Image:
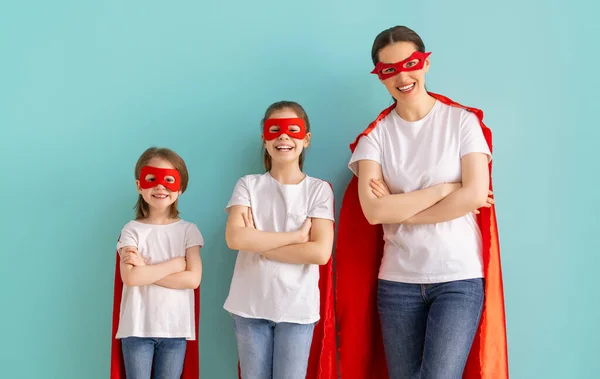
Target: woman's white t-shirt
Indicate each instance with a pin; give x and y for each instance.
(267, 289)
(152, 310)
(414, 156)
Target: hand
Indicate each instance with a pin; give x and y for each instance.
(379, 188)
(447, 188)
(488, 204)
(304, 231)
(131, 255)
(248, 219)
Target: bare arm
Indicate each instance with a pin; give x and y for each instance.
(143, 275)
(240, 237)
(191, 277)
(397, 208)
(472, 195)
(315, 251)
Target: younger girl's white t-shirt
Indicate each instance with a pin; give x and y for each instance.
(267, 289)
(152, 310)
(414, 156)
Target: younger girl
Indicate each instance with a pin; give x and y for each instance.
(160, 268)
(282, 224)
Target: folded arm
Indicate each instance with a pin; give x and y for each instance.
(471, 196)
(134, 275)
(397, 208)
(315, 251)
(189, 278)
(240, 237)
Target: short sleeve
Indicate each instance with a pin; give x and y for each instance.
(240, 196)
(471, 136)
(366, 149)
(193, 237)
(322, 205)
(128, 237)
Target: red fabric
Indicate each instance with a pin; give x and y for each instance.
(398, 67)
(359, 250)
(191, 365)
(322, 359)
(284, 128)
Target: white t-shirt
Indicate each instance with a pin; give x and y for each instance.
(267, 289)
(152, 310)
(414, 156)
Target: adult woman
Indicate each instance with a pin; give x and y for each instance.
(423, 174)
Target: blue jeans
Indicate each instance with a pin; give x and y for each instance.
(164, 355)
(270, 350)
(428, 329)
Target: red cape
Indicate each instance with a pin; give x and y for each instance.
(359, 250)
(322, 359)
(191, 364)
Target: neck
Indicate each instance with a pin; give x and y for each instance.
(289, 173)
(159, 216)
(416, 109)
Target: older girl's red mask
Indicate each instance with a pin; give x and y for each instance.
(293, 127)
(416, 61)
(153, 176)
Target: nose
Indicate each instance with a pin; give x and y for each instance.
(283, 136)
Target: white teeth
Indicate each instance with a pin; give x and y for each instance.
(406, 88)
(284, 148)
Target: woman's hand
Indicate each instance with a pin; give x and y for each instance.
(248, 219)
(488, 204)
(379, 188)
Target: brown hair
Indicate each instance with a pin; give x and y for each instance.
(278, 106)
(142, 209)
(393, 35)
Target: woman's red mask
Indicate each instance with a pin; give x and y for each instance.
(416, 61)
(153, 176)
(293, 127)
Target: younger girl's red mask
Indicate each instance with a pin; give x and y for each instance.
(416, 61)
(153, 176)
(293, 127)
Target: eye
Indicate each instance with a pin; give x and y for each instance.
(389, 70)
(169, 179)
(294, 129)
(149, 178)
(412, 63)
(274, 129)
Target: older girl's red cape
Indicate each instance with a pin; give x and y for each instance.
(359, 250)
(322, 359)
(191, 364)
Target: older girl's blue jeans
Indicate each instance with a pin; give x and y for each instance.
(428, 329)
(270, 350)
(160, 357)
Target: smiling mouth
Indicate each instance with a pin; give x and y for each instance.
(406, 88)
(160, 197)
(283, 148)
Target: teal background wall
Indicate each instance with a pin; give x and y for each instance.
(86, 86)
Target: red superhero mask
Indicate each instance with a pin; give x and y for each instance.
(293, 127)
(416, 61)
(153, 176)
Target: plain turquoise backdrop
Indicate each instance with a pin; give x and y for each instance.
(86, 86)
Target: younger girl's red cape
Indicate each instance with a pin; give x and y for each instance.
(322, 359)
(191, 365)
(359, 250)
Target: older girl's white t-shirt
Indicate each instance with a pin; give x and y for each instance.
(267, 289)
(152, 310)
(414, 156)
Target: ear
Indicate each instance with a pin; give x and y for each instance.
(426, 65)
(137, 184)
(307, 140)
